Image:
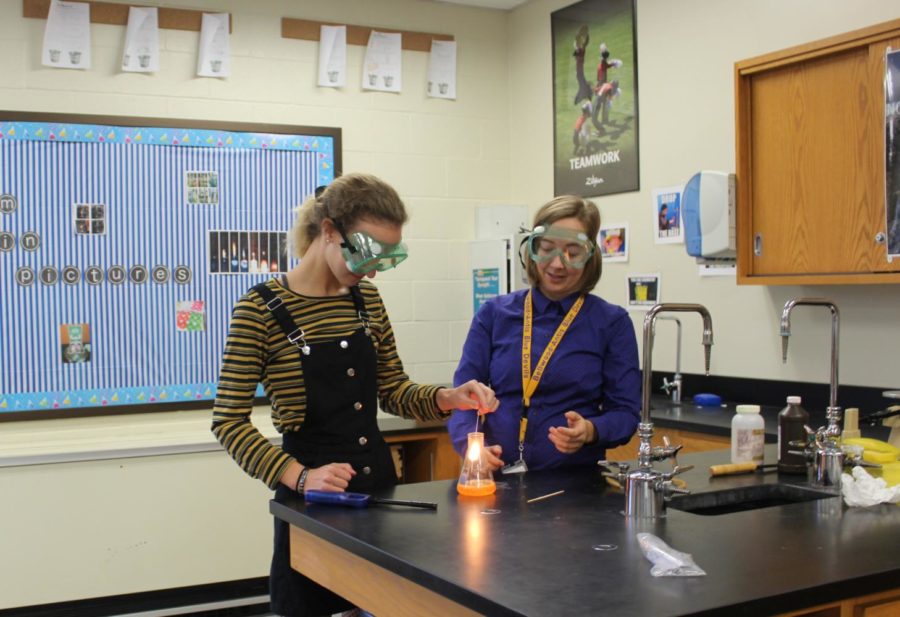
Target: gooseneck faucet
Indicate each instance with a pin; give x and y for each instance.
(646, 489)
(827, 454)
(674, 386)
(835, 336)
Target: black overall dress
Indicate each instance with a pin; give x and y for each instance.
(340, 427)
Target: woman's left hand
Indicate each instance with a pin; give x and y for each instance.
(571, 438)
(470, 395)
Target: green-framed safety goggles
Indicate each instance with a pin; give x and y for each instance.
(363, 253)
(574, 248)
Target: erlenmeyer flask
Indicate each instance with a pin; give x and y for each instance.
(475, 479)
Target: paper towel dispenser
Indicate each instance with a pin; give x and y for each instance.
(709, 216)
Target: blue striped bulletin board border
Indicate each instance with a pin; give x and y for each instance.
(124, 244)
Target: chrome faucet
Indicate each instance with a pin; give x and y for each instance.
(827, 456)
(646, 489)
(674, 387)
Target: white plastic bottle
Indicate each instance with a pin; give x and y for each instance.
(748, 435)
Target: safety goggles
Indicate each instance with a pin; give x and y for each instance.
(574, 248)
(363, 253)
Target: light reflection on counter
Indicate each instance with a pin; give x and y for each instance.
(474, 537)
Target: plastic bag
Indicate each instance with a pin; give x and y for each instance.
(861, 489)
(665, 559)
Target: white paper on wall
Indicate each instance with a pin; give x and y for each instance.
(714, 269)
(333, 56)
(442, 70)
(668, 224)
(67, 36)
(141, 53)
(381, 67)
(213, 56)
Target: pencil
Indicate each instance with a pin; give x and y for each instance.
(547, 496)
(735, 468)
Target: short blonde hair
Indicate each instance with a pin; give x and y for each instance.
(346, 200)
(564, 207)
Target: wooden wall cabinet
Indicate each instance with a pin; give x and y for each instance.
(811, 162)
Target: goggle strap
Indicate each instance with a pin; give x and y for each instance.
(345, 241)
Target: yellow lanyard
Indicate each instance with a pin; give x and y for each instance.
(530, 380)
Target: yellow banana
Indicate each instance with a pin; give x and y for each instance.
(881, 458)
(874, 445)
(891, 473)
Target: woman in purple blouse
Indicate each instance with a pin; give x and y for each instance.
(562, 362)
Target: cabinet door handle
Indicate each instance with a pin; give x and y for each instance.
(879, 237)
(757, 245)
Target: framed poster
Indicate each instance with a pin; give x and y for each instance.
(595, 98)
(126, 242)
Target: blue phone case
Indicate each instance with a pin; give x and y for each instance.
(708, 400)
(353, 500)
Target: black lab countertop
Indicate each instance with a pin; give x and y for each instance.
(576, 554)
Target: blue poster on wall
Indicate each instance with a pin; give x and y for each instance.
(485, 285)
(123, 249)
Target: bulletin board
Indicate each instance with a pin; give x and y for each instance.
(124, 244)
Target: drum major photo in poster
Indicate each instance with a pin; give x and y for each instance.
(595, 98)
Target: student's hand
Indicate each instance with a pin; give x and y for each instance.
(470, 395)
(334, 477)
(492, 457)
(571, 438)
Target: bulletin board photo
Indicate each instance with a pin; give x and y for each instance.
(124, 244)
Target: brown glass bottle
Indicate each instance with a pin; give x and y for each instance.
(791, 421)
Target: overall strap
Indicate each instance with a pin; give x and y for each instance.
(360, 304)
(275, 304)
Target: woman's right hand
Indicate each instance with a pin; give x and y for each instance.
(333, 477)
(492, 457)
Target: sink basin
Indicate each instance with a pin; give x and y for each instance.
(745, 498)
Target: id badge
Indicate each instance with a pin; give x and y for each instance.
(518, 467)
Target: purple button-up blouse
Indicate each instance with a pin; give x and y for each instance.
(594, 371)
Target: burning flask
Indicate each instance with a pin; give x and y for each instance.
(475, 479)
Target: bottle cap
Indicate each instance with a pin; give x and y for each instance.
(747, 409)
(793, 400)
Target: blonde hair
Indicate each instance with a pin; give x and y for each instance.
(563, 207)
(346, 200)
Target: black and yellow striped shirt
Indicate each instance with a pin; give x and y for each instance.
(257, 350)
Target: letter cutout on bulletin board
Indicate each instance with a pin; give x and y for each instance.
(123, 249)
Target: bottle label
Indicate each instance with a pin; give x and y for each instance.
(748, 445)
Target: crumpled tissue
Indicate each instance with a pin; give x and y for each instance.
(859, 488)
(666, 560)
